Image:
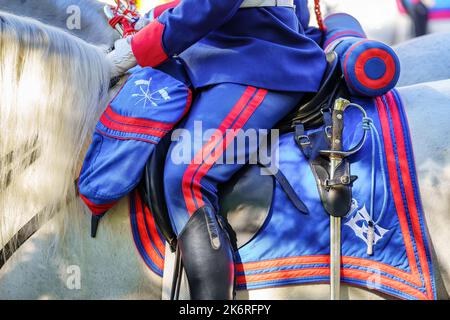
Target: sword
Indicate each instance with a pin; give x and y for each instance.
(335, 221)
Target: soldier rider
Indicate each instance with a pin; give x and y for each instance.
(250, 61)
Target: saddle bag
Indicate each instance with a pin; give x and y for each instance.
(146, 109)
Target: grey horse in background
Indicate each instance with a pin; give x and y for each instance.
(82, 18)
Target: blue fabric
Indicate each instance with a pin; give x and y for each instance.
(342, 25)
(212, 106)
(375, 68)
(146, 108)
(262, 47)
(368, 80)
(301, 236)
(370, 68)
(292, 248)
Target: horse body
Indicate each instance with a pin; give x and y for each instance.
(61, 261)
(430, 52)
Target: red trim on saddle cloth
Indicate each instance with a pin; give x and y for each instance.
(410, 279)
(149, 237)
(97, 209)
(147, 45)
(159, 10)
(392, 277)
(216, 146)
(407, 181)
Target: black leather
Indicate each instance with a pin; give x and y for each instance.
(152, 190)
(335, 194)
(207, 257)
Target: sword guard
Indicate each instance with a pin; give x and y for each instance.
(344, 180)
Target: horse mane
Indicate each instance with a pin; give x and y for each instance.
(53, 89)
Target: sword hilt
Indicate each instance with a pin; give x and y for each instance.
(338, 125)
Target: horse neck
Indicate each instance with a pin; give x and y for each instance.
(53, 89)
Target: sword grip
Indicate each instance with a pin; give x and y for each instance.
(338, 124)
(337, 131)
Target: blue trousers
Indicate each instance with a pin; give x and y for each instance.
(206, 153)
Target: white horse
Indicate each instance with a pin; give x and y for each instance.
(53, 88)
(424, 59)
(382, 19)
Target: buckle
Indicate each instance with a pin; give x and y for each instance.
(303, 139)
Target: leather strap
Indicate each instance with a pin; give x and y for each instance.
(288, 189)
(267, 3)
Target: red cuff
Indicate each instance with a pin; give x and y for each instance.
(147, 45)
(157, 11)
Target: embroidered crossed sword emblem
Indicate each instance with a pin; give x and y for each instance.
(146, 95)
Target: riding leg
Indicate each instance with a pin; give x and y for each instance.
(223, 112)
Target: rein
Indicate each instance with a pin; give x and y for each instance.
(29, 229)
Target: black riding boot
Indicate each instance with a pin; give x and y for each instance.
(207, 257)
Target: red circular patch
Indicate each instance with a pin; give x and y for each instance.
(385, 79)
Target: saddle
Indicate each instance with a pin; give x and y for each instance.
(248, 191)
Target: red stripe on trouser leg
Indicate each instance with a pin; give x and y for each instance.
(209, 146)
(229, 138)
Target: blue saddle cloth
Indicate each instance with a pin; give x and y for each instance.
(292, 248)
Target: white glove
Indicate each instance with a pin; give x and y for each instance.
(122, 58)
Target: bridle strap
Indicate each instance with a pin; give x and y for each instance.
(28, 230)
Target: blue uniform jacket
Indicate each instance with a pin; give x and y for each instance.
(270, 47)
